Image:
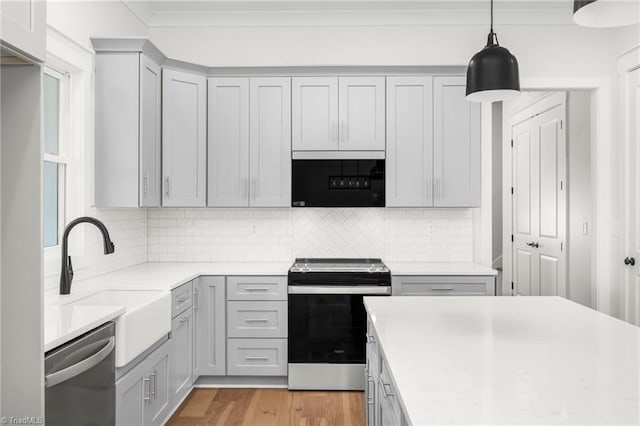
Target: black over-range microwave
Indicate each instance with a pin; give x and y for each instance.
(337, 183)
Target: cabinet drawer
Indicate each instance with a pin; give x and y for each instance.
(181, 299)
(443, 286)
(256, 319)
(257, 288)
(257, 357)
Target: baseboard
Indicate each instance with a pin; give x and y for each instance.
(241, 382)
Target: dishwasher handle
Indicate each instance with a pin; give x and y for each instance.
(80, 367)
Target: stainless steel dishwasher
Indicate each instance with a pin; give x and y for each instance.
(80, 380)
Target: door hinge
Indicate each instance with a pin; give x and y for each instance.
(511, 237)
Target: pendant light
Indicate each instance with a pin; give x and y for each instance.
(492, 74)
(606, 13)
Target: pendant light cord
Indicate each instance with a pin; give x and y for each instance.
(493, 37)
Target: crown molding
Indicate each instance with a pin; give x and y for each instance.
(380, 14)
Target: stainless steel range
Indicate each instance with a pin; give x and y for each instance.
(327, 320)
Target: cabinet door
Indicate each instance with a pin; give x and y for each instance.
(184, 143)
(270, 135)
(314, 111)
(158, 369)
(24, 26)
(117, 129)
(150, 128)
(180, 379)
(456, 145)
(228, 142)
(361, 112)
(132, 396)
(409, 163)
(210, 335)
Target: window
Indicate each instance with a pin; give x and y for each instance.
(55, 123)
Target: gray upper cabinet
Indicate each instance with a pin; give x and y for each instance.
(210, 327)
(249, 142)
(127, 145)
(270, 147)
(409, 163)
(314, 104)
(433, 143)
(228, 140)
(24, 27)
(456, 145)
(361, 111)
(331, 113)
(184, 141)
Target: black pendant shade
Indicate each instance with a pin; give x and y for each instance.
(606, 13)
(492, 74)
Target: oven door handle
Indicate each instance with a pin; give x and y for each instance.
(319, 289)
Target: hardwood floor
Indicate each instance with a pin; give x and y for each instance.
(270, 407)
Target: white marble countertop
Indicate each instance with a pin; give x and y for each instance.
(63, 323)
(508, 360)
(440, 268)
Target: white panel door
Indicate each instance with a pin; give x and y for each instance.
(539, 204)
(630, 297)
(456, 145)
(228, 141)
(270, 147)
(150, 130)
(314, 110)
(184, 139)
(361, 112)
(409, 162)
(24, 26)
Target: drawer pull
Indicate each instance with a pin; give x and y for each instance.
(256, 289)
(256, 320)
(389, 392)
(371, 339)
(182, 299)
(370, 399)
(184, 320)
(256, 358)
(442, 288)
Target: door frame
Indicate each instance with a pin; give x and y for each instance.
(627, 63)
(528, 111)
(606, 224)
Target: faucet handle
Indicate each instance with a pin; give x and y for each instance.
(69, 269)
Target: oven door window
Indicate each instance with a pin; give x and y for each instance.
(327, 328)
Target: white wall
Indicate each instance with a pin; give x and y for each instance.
(579, 186)
(283, 234)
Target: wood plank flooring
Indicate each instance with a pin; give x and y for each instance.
(270, 407)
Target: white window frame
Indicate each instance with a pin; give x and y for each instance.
(64, 149)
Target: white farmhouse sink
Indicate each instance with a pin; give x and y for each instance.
(147, 318)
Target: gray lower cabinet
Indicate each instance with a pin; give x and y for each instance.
(209, 319)
(180, 372)
(257, 326)
(372, 373)
(433, 285)
(142, 395)
(257, 357)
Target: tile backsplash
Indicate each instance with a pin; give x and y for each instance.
(282, 234)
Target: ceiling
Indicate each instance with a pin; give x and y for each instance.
(161, 13)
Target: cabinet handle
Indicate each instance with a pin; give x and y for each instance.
(256, 289)
(184, 320)
(153, 388)
(182, 299)
(166, 186)
(428, 189)
(146, 389)
(370, 398)
(256, 358)
(386, 386)
(334, 132)
(145, 184)
(436, 190)
(371, 338)
(243, 189)
(196, 299)
(253, 190)
(442, 288)
(256, 320)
